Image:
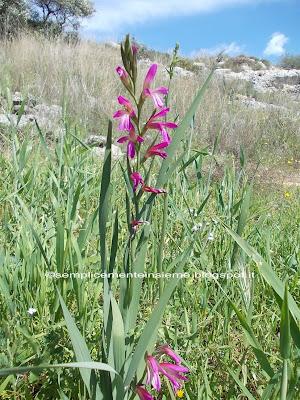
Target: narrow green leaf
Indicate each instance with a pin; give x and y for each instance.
(81, 365)
(240, 384)
(104, 201)
(265, 270)
(81, 351)
(285, 334)
(242, 221)
(150, 330)
(260, 355)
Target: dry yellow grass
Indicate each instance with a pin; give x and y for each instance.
(82, 77)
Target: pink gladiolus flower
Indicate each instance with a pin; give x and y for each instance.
(166, 350)
(161, 125)
(123, 75)
(156, 150)
(175, 374)
(135, 224)
(142, 393)
(153, 372)
(153, 190)
(132, 139)
(155, 94)
(125, 115)
(137, 179)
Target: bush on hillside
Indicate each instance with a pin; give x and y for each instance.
(53, 17)
(290, 62)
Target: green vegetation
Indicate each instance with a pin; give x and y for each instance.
(239, 336)
(290, 62)
(52, 17)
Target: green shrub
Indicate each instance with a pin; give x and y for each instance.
(290, 62)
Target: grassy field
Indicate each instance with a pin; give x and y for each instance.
(238, 334)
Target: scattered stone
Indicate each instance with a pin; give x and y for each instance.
(96, 141)
(98, 144)
(7, 120)
(268, 80)
(251, 102)
(183, 72)
(199, 65)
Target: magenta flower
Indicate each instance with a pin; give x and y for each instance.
(132, 139)
(142, 393)
(153, 190)
(156, 150)
(166, 350)
(123, 75)
(137, 179)
(134, 48)
(125, 115)
(153, 372)
(174, 373)
(136, 223)
(161, 125)
(155, 94)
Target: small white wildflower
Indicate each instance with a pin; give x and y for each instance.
(197, 227)
(210, 236)
(31, 311)
(193, 212)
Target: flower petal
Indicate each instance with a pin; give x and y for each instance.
(150, 76)
(122, 73)
(157, 100)
(119, 113)
(143, 394)
(166, 349)
(131, 149)
(161, 113)
(137, 179)
(122, 139)
(124, 102)
(153, 373)
(150, 189)
(161, 90)
(125, 123)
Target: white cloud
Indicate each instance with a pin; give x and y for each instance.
(113, 16)
(231, 49)
(275, 46)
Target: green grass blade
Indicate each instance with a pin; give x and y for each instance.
(104, 201)
(265, 270)
(285, 334)
(260, 355)
(150, 330)
(81, 351)
(89, 365)
(240, 384)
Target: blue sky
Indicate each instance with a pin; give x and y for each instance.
(265, 28)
